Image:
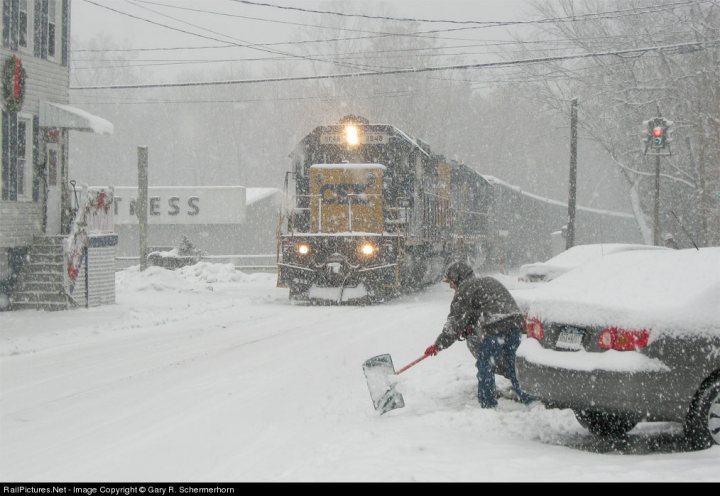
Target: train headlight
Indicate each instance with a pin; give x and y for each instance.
(302, 249)
(351, 135)
(368, 249)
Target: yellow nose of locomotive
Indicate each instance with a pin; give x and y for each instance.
(346, 198)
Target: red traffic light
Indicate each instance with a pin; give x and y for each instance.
(658, 132)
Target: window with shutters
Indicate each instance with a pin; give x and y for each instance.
(17, 157)
(24, 158)
(51, 30)
(53, 161)
(41, 27)
(23, 18)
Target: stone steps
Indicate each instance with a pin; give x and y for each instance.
(41, 282)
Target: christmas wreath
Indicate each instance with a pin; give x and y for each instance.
(13, 84)
(101, 200)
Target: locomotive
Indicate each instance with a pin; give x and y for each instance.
(371, 211)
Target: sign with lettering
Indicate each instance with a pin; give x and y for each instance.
(370, 138)
(183, 205)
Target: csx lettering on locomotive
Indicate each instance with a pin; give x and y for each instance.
(342, 194)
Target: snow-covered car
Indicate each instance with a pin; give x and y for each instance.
(575, 257)
(634, 337)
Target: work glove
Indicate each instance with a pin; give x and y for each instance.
(432, 350)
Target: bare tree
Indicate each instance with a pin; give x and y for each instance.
(617, 93)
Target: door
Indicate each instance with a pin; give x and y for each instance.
(53, 189)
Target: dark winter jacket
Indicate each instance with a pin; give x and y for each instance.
(481, 306)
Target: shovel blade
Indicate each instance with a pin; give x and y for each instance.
(380, 374)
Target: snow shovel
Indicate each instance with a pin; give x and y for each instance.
(379, 372)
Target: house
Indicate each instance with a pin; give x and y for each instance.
(37, 207)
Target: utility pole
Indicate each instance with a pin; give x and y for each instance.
(656, 135)
(141, 207)
(572, 195)
(703, 198)
(656, 212)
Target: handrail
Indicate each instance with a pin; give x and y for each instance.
(94, 215)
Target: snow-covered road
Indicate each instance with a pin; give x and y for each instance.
(207, 374)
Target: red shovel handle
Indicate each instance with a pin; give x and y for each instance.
(415, 362)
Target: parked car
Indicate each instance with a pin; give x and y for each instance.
(573, 258)
(634, 337)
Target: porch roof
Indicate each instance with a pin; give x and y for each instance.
(69, 117)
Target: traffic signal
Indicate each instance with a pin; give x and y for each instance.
(656, 133)
(658, 136)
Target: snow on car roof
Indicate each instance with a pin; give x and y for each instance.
(579, 255)
(675, 291)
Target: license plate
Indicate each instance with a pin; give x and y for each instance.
(570, 339)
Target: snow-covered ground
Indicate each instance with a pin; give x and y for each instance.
(208, 374)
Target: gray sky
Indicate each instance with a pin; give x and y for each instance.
(91, 22)
(265, 134)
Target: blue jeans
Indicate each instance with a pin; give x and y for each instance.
(501, 346)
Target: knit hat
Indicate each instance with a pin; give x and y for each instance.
(457, 272)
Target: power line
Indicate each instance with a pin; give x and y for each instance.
(364, 16)
(418, 34)
(473, 85)
(554, 74)
(373, 54)
(490, 43)
(555, 44)
(277, 21)
(631, 11)
(245, 44)
(254, 47)
(247, 100)
(331, 59)
(153, 49)
(251, 46)
(487, 65)
(389, 94)
(376, 34)
(124, 63)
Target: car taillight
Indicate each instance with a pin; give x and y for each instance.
(534, 328)
(616, 338)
